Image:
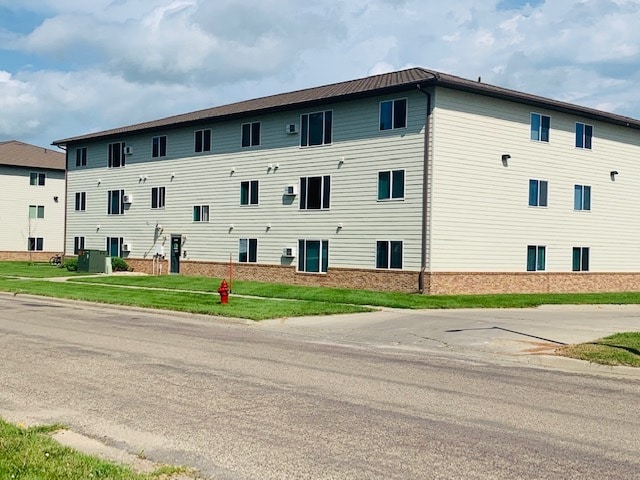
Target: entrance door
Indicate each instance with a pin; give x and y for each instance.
(176, 244)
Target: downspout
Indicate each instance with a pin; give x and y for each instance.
(66, 194)
(425, 192)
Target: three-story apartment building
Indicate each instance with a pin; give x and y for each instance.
(413, 180)
(32, 201)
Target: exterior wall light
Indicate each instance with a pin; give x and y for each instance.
(613, 174)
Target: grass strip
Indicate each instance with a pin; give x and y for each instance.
(618, 349)
(34, 270)
(238, 307)
(369, 297)
(30, 454)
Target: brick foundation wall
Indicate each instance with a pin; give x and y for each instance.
(479, 283)
(25, 257)
(337, 277)
(440, 283)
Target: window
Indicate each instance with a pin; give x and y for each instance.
(249, 193)
(78, 244)
(159, 146)
(81, 157)
(536, 257)
(582, 197)
(114, 246)
(116, 155)
(391, 185)
(315, 192)
(201, 213)
(316, 128)
(538, 193)
(583, 136)
(251, 134)
(115, 202)
(540, 127)
(35, 244)
(81, 201)
(393, 114)
(203, 141)
(313, 256)
(248, 250)
(36, 178)
(580, 259)
(36, 211)
(157, 197)
(389, 254)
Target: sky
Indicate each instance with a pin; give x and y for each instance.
(70, 67)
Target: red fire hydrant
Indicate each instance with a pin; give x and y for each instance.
(224, 292)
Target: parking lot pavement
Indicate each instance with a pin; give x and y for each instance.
(530, 335)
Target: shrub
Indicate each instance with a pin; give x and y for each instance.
(71, 264)
(119, 265)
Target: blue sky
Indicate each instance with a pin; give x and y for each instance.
(68, 67)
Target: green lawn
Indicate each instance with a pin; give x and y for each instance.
(618, 349)
(34, 270)
(30, 454)
(253, 309)
(369, 297)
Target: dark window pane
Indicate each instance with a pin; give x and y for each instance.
(155, 147)
(326, 191)
(198, 146)
(531, 258)
(196, 213)
(576, 259)
(588, 133)
(244, 193)
(314, 192)
(541, 258)
(313, 256)
(400, 114)
(255, 133)
(382, 255)
(586, 198)
(328, 127)
(546, 123)
(384, 185)
(386, 115)
(533, 193)
(325, 255)
(254, 193)
(242, 250)
(398, 184)
(396, 255)
(543, 193)
(206, 142)
(303, 193)
(253, 250)
(316, 126)
(579, 135)
(301, 255)
(535, 126)
(246, 135)
(577, 197)
(304, 130)
(585, 259)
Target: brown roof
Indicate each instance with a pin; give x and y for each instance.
(364, 87)
(20, 154)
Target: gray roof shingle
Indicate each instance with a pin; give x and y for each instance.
(18, 154)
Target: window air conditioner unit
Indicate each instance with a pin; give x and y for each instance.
(126, 247)
(292, 128)
(128, 150)
(291, 190)
(127, 198)
(289, 252)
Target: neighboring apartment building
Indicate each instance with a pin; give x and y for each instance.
(413, 180)
(32, 201)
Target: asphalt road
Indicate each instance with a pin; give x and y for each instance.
(336, 400)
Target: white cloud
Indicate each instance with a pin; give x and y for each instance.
(99, 64)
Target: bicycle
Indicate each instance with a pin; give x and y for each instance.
(56, 260)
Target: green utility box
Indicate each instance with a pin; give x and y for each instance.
(92, 261)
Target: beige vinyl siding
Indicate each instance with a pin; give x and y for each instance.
(17, 195)
(207, 179)
(481, 218)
